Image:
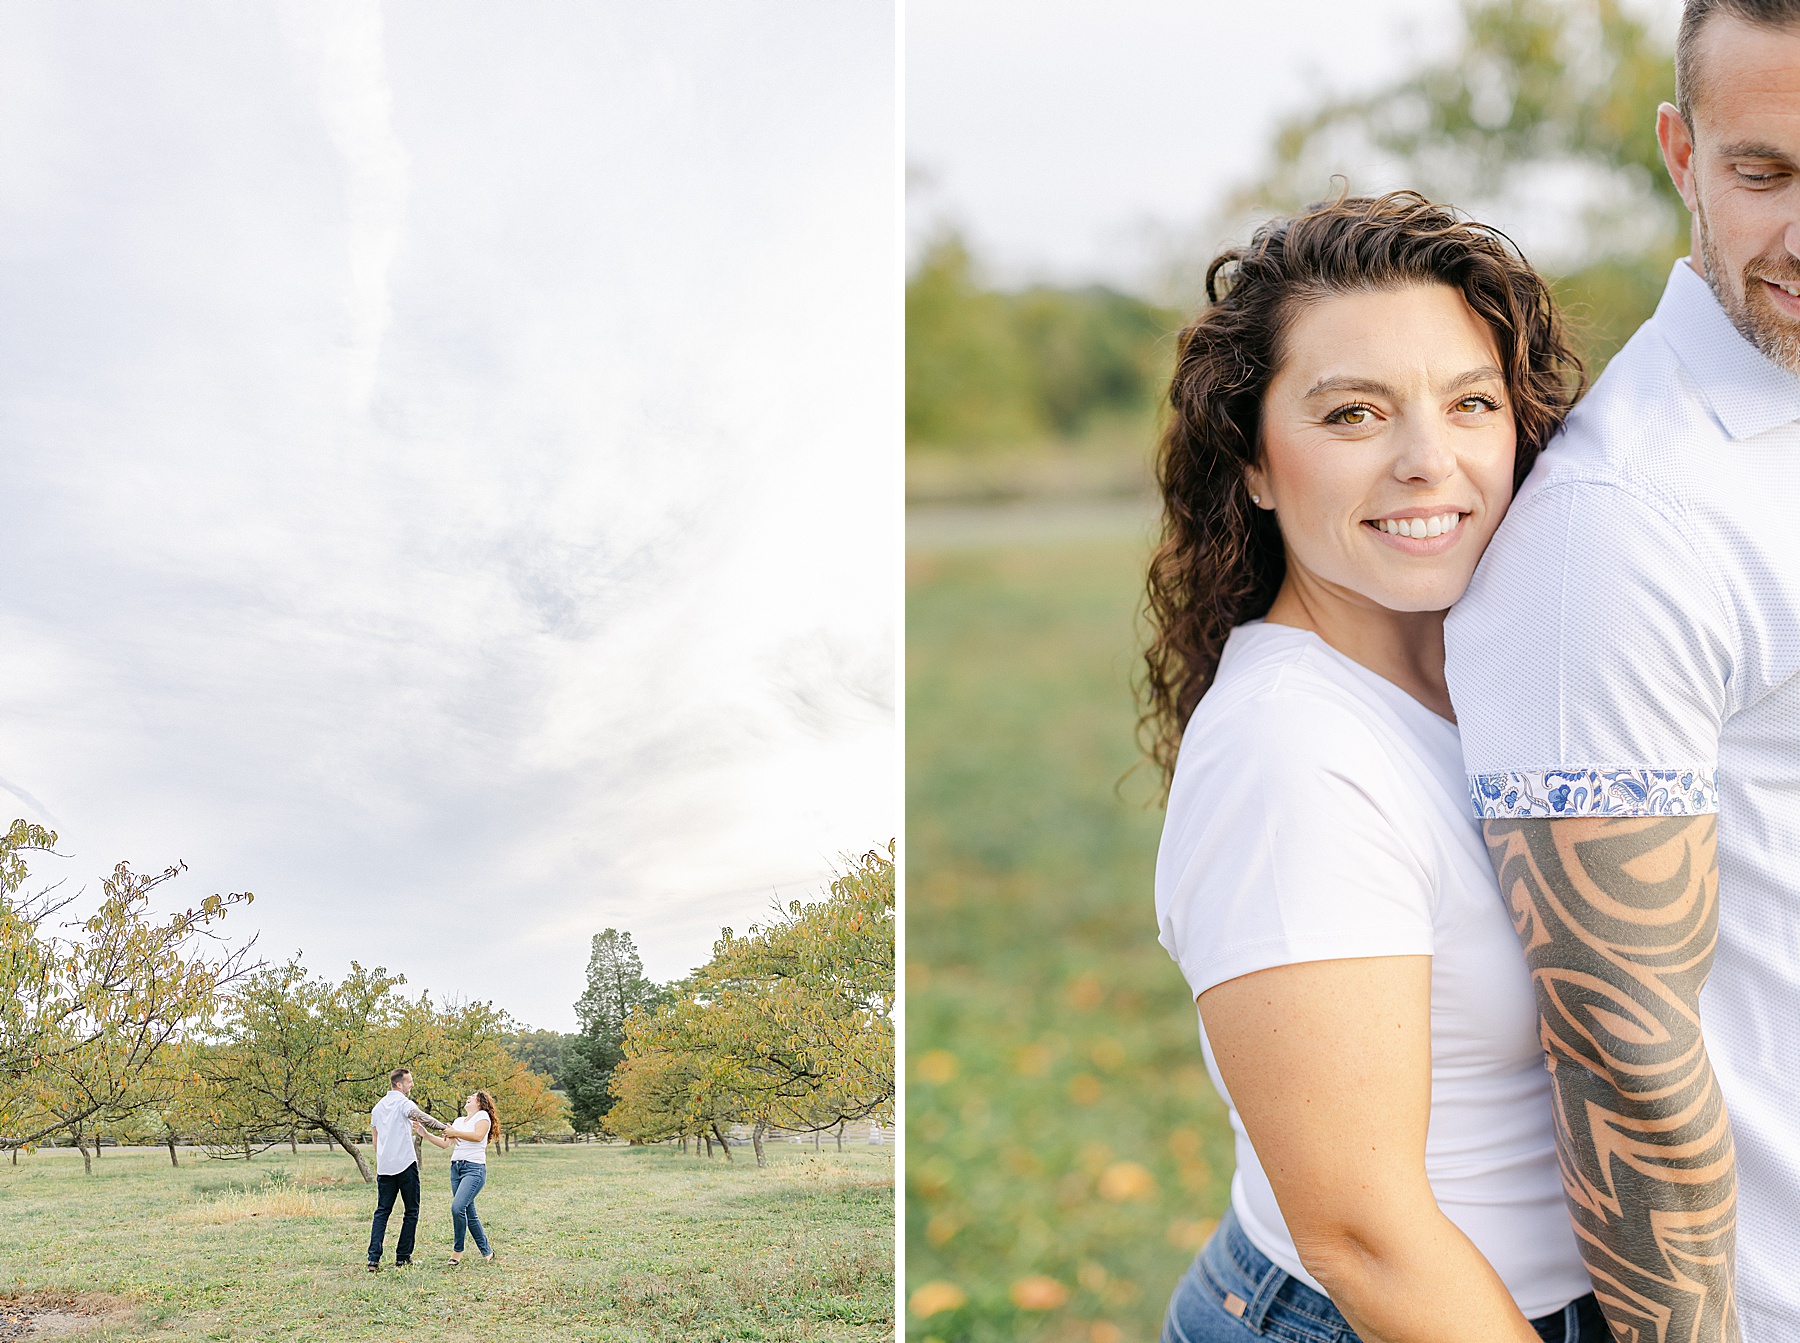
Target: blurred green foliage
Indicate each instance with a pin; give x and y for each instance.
(1062, 1139)
(989, 368)
(1546, 108)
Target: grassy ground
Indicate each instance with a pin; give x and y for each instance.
(593, 1242)
(1065, 1153)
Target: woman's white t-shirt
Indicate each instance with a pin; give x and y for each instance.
(464, 1150)
(1319, 812)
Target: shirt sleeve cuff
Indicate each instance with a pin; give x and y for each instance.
(1629, 791)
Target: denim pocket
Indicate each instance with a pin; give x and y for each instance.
(1233, 1294)
(1209, 1302)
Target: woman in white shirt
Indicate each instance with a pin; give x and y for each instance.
(1351, 414)
(466, 1141)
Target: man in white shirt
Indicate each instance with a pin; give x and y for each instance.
(1626, 673)
(396, 1166)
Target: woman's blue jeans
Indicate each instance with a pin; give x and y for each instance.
(1235, 1294)
(466, 1179)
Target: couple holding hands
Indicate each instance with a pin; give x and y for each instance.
(1451, 662)
(393, 1122)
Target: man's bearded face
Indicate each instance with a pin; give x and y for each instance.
(1744, 296)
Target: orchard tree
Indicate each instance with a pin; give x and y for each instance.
(228, 1121)
(467, 1050)
(788, 1026)
(295, 1052)
(86, 1016)
(528, 1107)
(654, 1094)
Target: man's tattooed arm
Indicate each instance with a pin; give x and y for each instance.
(1619, 919)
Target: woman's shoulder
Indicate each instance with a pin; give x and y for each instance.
(1280, 692)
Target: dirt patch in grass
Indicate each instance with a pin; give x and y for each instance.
(61, 1314)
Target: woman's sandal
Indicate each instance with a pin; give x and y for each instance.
(454, 1260)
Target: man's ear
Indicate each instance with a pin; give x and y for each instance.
(1677, 151)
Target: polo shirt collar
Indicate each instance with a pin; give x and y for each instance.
(1746, 390)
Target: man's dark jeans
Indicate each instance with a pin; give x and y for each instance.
(405, 1184)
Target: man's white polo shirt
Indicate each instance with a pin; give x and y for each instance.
(391, 1123)
(1630, 646)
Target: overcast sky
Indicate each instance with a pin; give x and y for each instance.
(1069, 138)
(451, 459)
(1074, 141)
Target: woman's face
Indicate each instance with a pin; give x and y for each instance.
(471, 1105)
(1387, 441)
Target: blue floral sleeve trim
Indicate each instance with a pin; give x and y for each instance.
(1548, 793)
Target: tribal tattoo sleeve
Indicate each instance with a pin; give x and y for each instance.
(1619, 920)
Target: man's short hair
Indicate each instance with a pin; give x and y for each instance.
(395, 1076)
(1694, 16)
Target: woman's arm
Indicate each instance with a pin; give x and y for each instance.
(477, 1130)
(1329, 1066)
(430, 1137)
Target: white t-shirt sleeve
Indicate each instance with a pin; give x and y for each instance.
(1590, 662)
(1279, 846)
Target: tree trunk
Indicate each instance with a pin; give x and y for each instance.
(169, 1138)
(815, 1140)
(247, 1156)
(840, 1135)
(96, 1144)
(683, 1144)
(419, 1150)
(722, 1143)
(342, 1139)
(293, 1142)
(756, 1137)
(87, 1161)
(707, 1138)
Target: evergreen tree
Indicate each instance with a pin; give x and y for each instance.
(616, 987)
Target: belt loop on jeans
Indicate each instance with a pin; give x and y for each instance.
(1256, 1310)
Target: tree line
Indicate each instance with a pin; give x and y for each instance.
(987, 367)
(162, 1031)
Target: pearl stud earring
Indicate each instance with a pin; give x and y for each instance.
(1256, 498)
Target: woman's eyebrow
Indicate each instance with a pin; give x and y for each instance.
(1486, 373)
(1369, 386)
(1350, 384)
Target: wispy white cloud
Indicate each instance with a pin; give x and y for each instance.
(449, 460)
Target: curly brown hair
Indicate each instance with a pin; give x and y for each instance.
(1220, 561)
(486, 1102)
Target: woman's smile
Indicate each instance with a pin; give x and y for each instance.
(1419, 531)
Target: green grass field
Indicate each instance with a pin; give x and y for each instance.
(593, 1242)
(1065, 1153)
